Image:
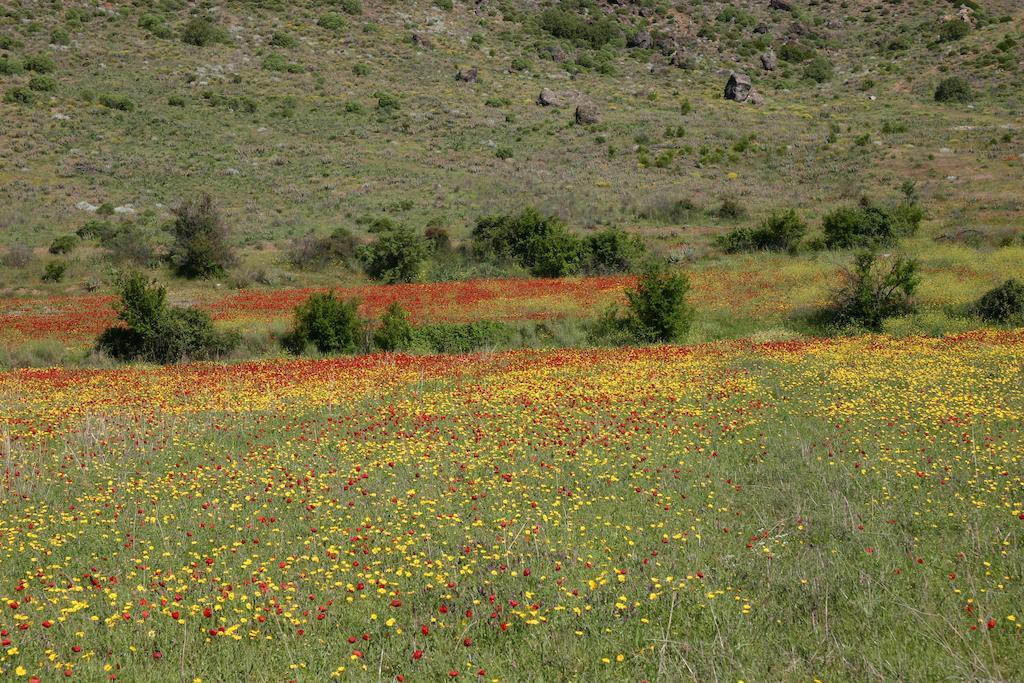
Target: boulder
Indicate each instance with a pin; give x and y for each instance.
(422, 41)
(641, 39)
(466, 75)
(558, 53)
(769, 61)
(782, 5)
(587, 113)
(738, 88)
(552, 98)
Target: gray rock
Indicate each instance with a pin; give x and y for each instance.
(422, 41)
(783, 5)
(642, 39)
(769, 61)
(587, 113)
(738, 88)
(466, 75)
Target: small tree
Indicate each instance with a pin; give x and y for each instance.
(953, 89)
(201, 246)
(396, 256)
(395, 332)
(780, 232)
(658, 310)
(200, 31)
(1003, 304)
(874, 291)
(612, 251)
(327, 323)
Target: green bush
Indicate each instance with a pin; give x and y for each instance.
(658, 310)
(819, 70)
(387, 103)
(42, 84)
(731, 210)
(780, 232)
(64, 244)
(395, 332)
(19, 95)
(316, 253)
(60, 36)
(462, 337)
(201, 247)
(41, 64)
(9, 67)
(332, 21)
(953, 89)
(397, 255)
(200, 31)
(278, 62)
(54, 271)
(360, 69)
(446, 5)
(153, 331)
(326, 323)
(870, 226)
(541, 244)
(612, 251)
(596, 32)
(154, 24)
(795, 52)
(951, 31)
(282, 39)
(119, 102)
(1003, 304)
(353, 7)
(874, 291)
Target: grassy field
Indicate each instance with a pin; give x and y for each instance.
(832, 510)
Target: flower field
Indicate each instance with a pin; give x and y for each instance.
(835, 510)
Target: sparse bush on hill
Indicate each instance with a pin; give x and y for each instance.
(596, 32)
(731, 210)
(154, 331)
(1003, 304)
(119, 102)
(278, 62)
(780, 232)
(54, 271)
(316, 253)
(353, 7)
(41, 64)
(395, 332)
(874, 290)
(201, 245)
(328, 324)
(19, 95)
(16, 256)
(9, 67)
(819, 70)
(332, 21)
(65, 244)
(869, 226)
(612, 251)
(953, 30)
(201, 31)
(155, 25)
(282, 39)
(953, 89)
(42, 84)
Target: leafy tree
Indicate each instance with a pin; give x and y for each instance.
(953, 89)
(201, 246)
(395, 332)
(1003, 304)
(874, 290)
(870, 226)
(200, 31)
(780, 232)
(612, 251)
(658, 310)
(328, 324)
(541, 244)
(397, 255)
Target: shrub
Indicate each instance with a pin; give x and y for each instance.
(462, 337)
(332, 21)
(119, 102)
(795, 52)
(60, 36)
(868, 226)
(285, 40)
(94, 229)
(65, 244)
(446, 5)
(395, 332)
(541, 244)
(327, 323)
(16, 256)
(387, 103)
(397, 255)
(176, 101)
(953, 89)
(874, 291)
(316, 253)
(953, 30)
(438, 238)
(41, 64)
(673, 211)
(819, 70)
(9, 67)
(42, 84)
(658, 310)
(1003, 304)
(520, 64)
(278, 62)
(353, 7)
(612, 251)
(571, 26)
(153, 331)
(730, 210)
(19, 95)
(54, 271)
(780, 232)
(360, 69)
(200, 31)
(503, 153)
(154, 24)
(128, 243)
(201, 246)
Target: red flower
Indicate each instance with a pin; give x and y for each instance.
(991, 624)
(417, 654)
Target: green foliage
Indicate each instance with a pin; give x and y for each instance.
(795, 52)
(503, 152)
(65, 244)
(54, 271)
(541, 244)
(9, 67)
(387, 103)
(353, 7)
(41, 64)
(612, 251)
(201, 31)
(1003, 304)
(155, 25)
(874, 290)
(201, 246)
(19, 94)
(395, 332)
(360, 69)
(869, 226)
(60, 36)
(328, 324)
(332, 21)
(521, 64)
(153, 331)
(731, 210)
(819, 70)
(119, 102)
(397, 255)
(658, 310)
(953, 30)
(462, 337)
(780, 232)
(595, 32)
(954, 89)
(42, 84)
(278, 62)
(316, 253)
(446, 5)
(282, 39)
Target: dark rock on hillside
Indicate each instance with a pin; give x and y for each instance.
(782, 5)
(558, 53)
(551, 98)
(769, 61)
(422, 41)
(466, 75)
(642, 39)
(738, 88)
(587, 113)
